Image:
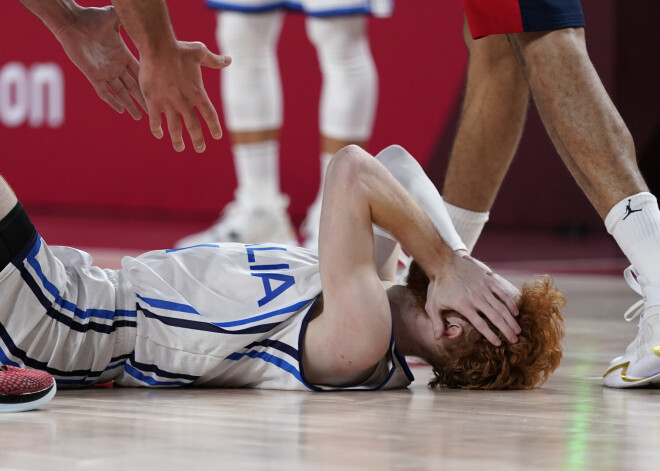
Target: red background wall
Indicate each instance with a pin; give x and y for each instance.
(101, 162)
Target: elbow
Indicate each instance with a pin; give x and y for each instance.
(348, 167)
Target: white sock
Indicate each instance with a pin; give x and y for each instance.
(634, 222)
(468, 224)
(257, 172)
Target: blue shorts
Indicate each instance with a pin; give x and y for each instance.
(486, 17)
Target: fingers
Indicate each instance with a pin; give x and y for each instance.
(117, 86)
(210, 116)
(214, 61)
(194, 130)
(501, 318)
(105, 95)
(134, 69)
(155, 122)
(437, 322)
(174, 126)
(471, 314)
(506, 297)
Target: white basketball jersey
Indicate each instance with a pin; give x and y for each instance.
(228, 315)
(223, 315)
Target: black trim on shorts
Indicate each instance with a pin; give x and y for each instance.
(16, 229)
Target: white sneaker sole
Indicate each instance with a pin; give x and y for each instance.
(20, 407)
(617, 376)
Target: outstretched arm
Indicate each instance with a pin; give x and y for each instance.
(170, 72)
(359, 191)
(91, 39)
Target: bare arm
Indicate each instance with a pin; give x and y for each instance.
(170, 72)
(91, 39)
(353, 332)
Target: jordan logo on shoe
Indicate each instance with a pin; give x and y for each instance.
(629, 211)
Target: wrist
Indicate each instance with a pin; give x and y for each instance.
(67, 17)
(437, 262)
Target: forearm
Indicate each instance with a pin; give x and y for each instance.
(57, 15)
(407, 171)
(392, 208)
(148, 24)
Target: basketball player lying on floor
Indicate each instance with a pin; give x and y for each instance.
(274, 316)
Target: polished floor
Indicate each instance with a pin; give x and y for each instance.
(572, 423)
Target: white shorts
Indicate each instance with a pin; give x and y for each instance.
(310, 7)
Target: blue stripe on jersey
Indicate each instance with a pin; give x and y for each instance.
(63, 319)
(137, 374)
(404, 365)
(205, 326)
(249, 320)
(162, 373)
(277, 345)
(279, 266)
(286, 366)
(169, 305)
(4, 359)
(215, 246)
(68, 305)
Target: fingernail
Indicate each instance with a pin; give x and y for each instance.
(179, 147)
(514, 339)
(217, 135)
(200, 149)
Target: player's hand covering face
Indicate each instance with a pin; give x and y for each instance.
(173, 85)
(469, 288)
(95, 46)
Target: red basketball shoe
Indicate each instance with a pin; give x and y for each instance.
(22, 389)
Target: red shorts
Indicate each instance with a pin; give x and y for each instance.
(487, 17)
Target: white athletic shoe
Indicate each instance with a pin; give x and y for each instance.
(241, 221)
(640, 365)
(309, 229)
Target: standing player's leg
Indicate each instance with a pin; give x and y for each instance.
(252, 101)
(595, 145)
(348, 97)
(583, 123)
(492, 120)
(597, 148)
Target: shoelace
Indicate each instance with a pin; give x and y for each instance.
(634, 311)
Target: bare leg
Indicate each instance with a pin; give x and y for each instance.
(492, 121)
(585, 127)
(250, 137)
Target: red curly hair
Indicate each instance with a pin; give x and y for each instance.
(527, 364)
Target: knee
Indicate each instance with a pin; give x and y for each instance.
(248, 35)
(337, 37)
(348, 162)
